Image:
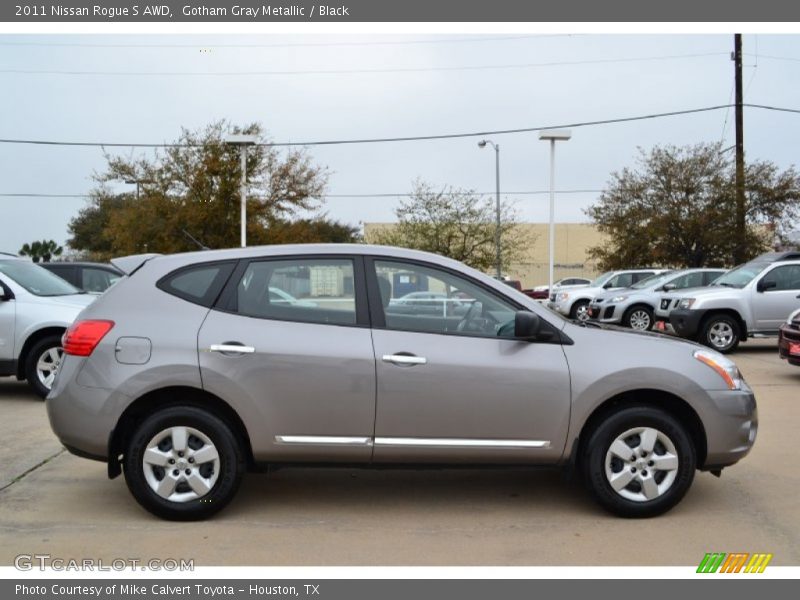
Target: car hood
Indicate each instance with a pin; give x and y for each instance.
(709, 292)
(79, 301)
(621, 291)
(616, 330)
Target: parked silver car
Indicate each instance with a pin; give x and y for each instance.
(694, 279)
(574, 303)
(36, 307)
(635, 307)
(183, 378)
(752, 300)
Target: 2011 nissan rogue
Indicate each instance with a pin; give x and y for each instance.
(190, 370)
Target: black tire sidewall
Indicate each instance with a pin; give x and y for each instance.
(573, 312)
(626, 320)
(51, 341)
(607, 431)
(717, 319)
(231, 463)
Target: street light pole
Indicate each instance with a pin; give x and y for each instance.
(498, 263)
(243, 141)
(553, 135)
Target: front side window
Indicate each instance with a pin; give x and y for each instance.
(426, 299)
(35, 279)
(689, 280)
(306, 290)
(786, 277)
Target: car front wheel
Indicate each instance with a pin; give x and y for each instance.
(639, 462)
(721, 332)
(183, 463)
(639, 318)
(580, 310)
(42, 364)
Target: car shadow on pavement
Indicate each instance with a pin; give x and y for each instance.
(382, 492)
(11, 389)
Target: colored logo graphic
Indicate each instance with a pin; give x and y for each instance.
(736, 562)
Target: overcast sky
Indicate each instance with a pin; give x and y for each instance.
(609, 76)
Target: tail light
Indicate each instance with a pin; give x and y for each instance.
(82, 337)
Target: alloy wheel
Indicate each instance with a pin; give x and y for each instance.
(640, 320)
(720, 335)
(47, 366)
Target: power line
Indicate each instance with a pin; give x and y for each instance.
(395, 70)
(324, 196)
(409, 138)
(291, 45)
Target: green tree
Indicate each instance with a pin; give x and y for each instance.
(41, 251)
(456, 223)
(193, 185)
(676, 208)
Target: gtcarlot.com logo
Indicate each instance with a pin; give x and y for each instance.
(736, 562)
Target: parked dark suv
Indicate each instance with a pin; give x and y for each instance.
(86, 276)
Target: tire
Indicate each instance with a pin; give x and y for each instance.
(41, 364)
(644, 489)
(579, 310)
(216, 478)
(639, 318)
(720, 332)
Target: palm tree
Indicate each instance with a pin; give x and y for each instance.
(44, 250)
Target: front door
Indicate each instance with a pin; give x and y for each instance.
(452, 384)
(772, 306)
(290, 343)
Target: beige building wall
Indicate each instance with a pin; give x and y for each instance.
(572, 241)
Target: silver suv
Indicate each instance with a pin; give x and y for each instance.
(36, 307)
(574, 303)
(635, 307)
(752, 300)
(185, 374)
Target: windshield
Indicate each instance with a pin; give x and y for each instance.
(35, 279)
(651, 281)
(602, 279)
(741, 276)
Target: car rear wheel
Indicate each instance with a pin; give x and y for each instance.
(639, 462)
(639, 318)
(183, 463)
(721, 332)
(580, 310)
(42, 363)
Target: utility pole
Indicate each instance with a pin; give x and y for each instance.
(739, 251)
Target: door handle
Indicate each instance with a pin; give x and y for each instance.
(404, 359)
(233, 348)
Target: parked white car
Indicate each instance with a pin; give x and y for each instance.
(36, 307)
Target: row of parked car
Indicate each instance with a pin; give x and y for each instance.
(714, 307)
(37, 304)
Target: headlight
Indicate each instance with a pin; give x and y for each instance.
(618, 298)
(686, 303)
(561, 296)
(724, 367)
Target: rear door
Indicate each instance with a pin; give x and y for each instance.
(289, 341)
(452, 383)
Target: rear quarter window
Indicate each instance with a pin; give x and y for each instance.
(199, 284)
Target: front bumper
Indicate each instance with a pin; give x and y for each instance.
(789, 344)
(605, 313)
(731, 431)
(686, 322)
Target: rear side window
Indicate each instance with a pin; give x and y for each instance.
(200, 284)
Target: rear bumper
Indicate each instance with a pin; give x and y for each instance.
(789, 344)
(732, 431)
(686, 322)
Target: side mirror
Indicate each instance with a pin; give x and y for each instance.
(5, 293)
(526, 325)
(763, 285)
(668, 287)
(607, 285)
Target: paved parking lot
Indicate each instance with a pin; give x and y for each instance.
(54, 503)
